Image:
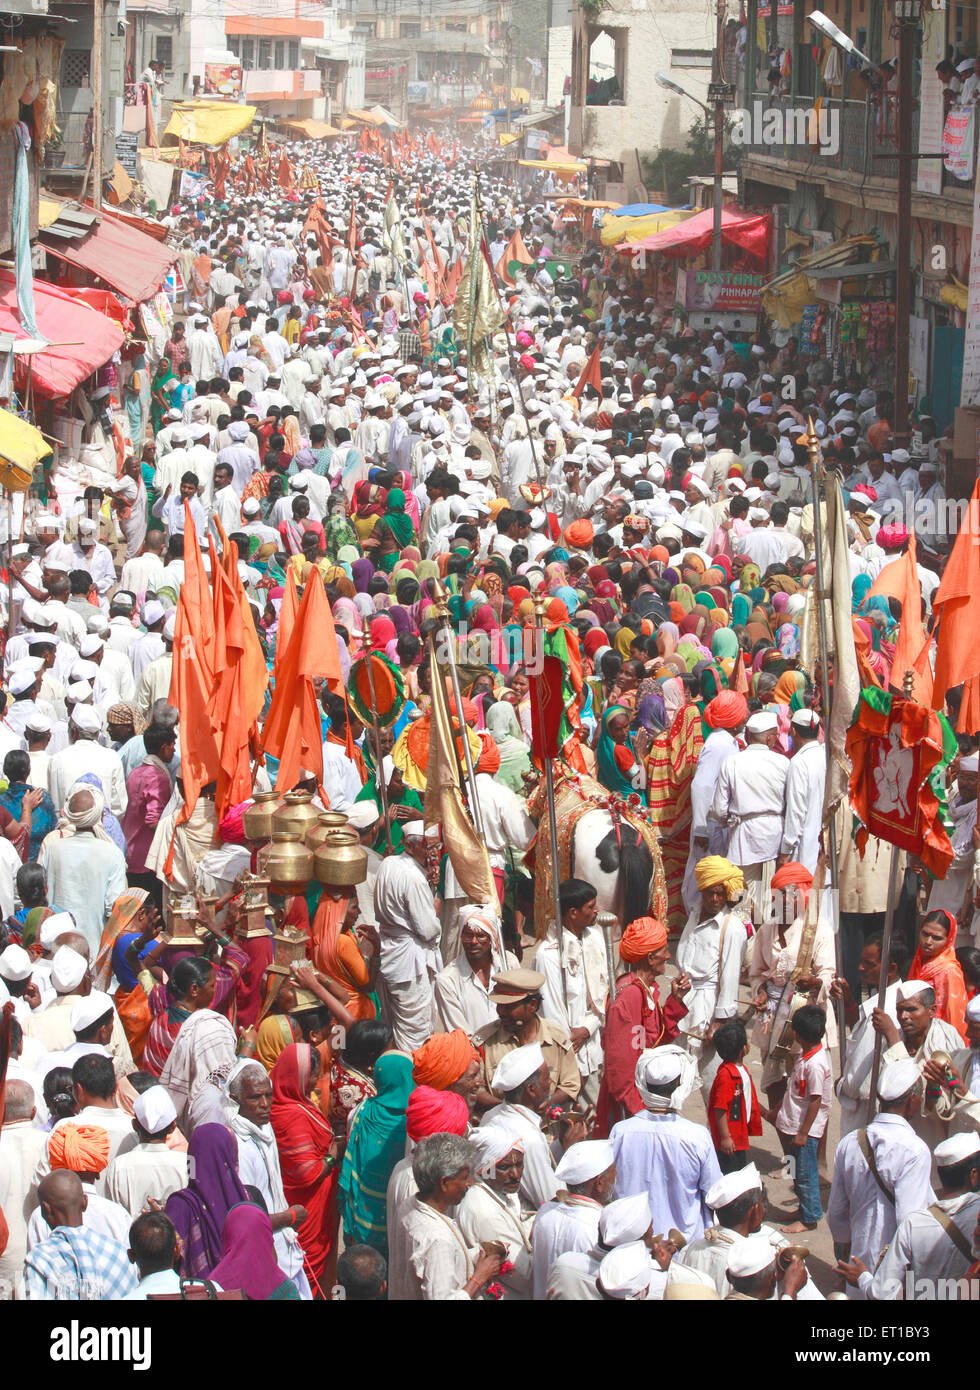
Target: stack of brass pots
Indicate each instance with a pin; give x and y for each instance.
(286, 863)
(289, 945)
(258, 818)
(296, 815)
(340, 861)
(326, 822)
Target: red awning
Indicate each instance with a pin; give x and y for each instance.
(747, 230)
(129, 261)
(91, 337)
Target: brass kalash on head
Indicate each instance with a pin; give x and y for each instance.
(297, 844)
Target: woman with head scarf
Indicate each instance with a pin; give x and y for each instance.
(515, 760)
(162, 390)
(131, 913)
(618, 757)
(307, 1153)
(248, 1257)
(395, 531)
(375, 1144)
(199, 1210)
(935, 962)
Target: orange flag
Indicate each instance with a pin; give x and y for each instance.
(515, 251)
(900, 580)
(292, 728)
(240, 680)
(957, 606)
(191, 679)
(287, 616)
(739, 681)
(591, 376)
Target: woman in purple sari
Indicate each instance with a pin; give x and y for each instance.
(198, 1210)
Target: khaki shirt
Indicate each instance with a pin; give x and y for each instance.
(494, 1042)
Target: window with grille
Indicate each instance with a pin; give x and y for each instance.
(279, 55)
(265, 55)
(292, 54)
(163, 50)
(409, 30)
(248, 53)
(75, 66)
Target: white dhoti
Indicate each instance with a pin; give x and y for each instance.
(701, 1001)
(407, 1007)
(758, 886)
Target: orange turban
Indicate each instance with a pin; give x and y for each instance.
(489, 760)
(727, 710)
(79, 1148)
(443, 1059)
(580, 534)
(792, 875)
(435, 1112)
(640, 938)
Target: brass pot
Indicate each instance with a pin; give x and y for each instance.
(341, 860)
(258, 817)
(289, 945)
(287, 863)
(326, 822)
(295, 815)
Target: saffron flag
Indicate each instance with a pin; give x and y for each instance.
(292, 730)
(591, 376)
(547, 707)
(515, 251)
(894, 744)
(444, 802)
(900, 580)
(957, 606)
(240, 680)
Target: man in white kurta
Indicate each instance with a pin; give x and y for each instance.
(86, 872)
(750, 799)
(151, 1168)
(85, 754)
(21, 1146)
(523, 1079)
(923, 1249)
(661, 1153)
(710, 953)
(919, 1035)
(861, 1215)
(577, 970)
(805, 781)
(410, 931)
(854, 1086)
(585, 1174)
(707, 836)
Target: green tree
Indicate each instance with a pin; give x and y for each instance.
(669, 170)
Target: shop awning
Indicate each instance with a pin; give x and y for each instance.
(783, 298)
(365, 117)
(209, 122)
(130, 262)
(80, 339)
(747, 230)
(626, 228)
(313, 130)
(385, 117)
(24, 447)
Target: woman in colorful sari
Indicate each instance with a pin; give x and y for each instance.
(618, 757)
(248, 1257)
(375, 1144)
(515, 760)
(335, 950)
(352, 1070)
(131, 913)
(394, 531)
(162, 391)
(337, 528)
(200, 1209)
(307, 1155)
(276, 1032)
(935, 962)
(670, 767)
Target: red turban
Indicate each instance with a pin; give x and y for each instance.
(79, 1148)
(580, 534)
(443, 1059)
(489, 759)
(436, 1112)
(727, 710)
(640, 938)
(792, 875)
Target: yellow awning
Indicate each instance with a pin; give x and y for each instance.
(616, 230)
(314, 130)
(209, 122)
(368, 117)
(571, 166)
(783, 298)
(22, 447)
(505, 139)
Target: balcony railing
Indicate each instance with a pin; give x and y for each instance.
(859, 137)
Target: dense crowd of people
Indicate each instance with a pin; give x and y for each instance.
(514, 1098)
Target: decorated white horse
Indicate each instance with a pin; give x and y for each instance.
(605, 839)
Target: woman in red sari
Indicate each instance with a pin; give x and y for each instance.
(935, 962)
(308, 1157)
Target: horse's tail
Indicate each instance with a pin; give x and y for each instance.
(627, 851)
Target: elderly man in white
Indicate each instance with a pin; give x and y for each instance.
(750, 799)
(409, 929)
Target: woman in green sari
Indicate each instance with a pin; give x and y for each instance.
(515, 759)
(395, 530)
(404, 803)
(375, 1144)
(619, 760)
(162, 393)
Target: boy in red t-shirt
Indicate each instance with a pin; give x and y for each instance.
(734, 1112)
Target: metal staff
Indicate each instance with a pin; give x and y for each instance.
(908, 681)
(511, 350)
(382, 786)
(549, 786)
(812, 443)
(441, 601)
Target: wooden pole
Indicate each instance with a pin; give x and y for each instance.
(98, 114)
(812, 443)
(441, 599)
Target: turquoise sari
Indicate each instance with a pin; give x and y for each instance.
(375, 1144)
